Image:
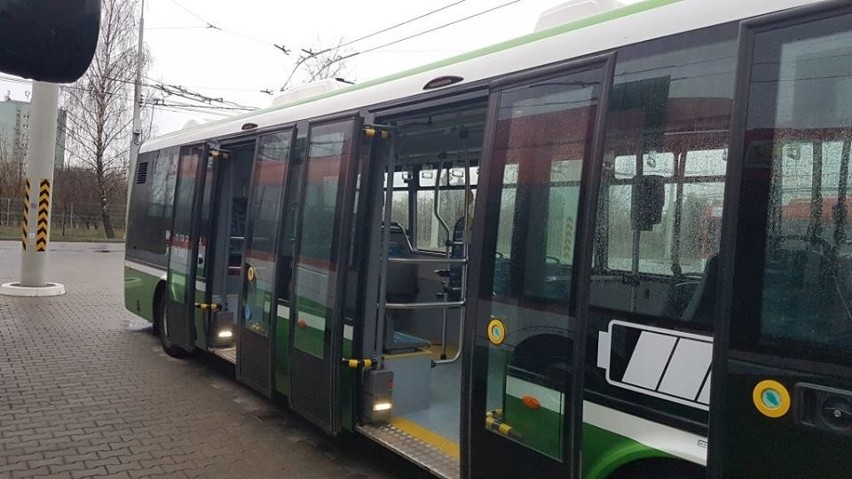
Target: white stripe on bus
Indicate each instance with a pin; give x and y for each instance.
(549, 399)
(312, 321)
(159, 273)
(682, 444)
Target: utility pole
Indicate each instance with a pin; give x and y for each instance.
(136, 140)
(38, 184)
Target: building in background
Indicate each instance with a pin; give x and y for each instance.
(14, 132)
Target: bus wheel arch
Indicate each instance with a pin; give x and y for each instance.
(160, 325)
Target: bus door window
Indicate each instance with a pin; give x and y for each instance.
(805, 142)
(236, 197)
(542, 143)
(665, 152)
(267, 200)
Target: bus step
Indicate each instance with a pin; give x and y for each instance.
(424, 455)
(228, 354)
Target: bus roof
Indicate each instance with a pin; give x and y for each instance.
(624, 26)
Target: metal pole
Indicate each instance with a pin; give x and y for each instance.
(37, 196)
(136, 138)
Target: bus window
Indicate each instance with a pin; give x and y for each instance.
(668, 121)
(162, 191)
(807, 292)
(399, 214)
(429, 234)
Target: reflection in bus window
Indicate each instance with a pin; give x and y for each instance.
(327, 150)
(542, 142)
(800, 123)
(266, 202)
(161, 195)
(667, 124)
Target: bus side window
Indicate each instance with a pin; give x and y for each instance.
(667, 126)
(802, 135)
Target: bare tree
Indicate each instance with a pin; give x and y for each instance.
(320, 62)
(99, 104)
(13, 153)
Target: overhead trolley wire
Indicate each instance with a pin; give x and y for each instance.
(434, 29)
(439, 27)
(213, 26)
(406, 22)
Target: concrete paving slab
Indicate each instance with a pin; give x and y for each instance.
(85, 391)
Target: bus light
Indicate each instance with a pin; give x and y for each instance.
(377, 404)
(226, 334)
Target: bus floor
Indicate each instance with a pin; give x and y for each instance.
(442, 415)
(428, 437)
(228, 354)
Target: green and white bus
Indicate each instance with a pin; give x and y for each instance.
(534, 259)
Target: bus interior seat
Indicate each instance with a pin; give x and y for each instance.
(454, 274)
(700, 307)
(680, 294)
(402, 287)
(544, 359)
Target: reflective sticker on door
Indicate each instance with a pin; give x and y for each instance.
(771, 398)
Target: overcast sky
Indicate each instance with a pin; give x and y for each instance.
(236, 60)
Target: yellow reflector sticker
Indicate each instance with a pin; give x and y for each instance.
(771, 398)
(496, 331)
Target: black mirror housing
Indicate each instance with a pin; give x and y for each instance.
(48, 40)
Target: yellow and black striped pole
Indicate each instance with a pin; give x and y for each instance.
(43, 215)
(25, 230)
(35, 227)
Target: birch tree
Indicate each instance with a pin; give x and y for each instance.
(100, 104)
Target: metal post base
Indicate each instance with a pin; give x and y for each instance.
(15, 289)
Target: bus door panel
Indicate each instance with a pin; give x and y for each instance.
(782, 386)
(258, 305)
(320, 270)
(183, 292)
(530, 284)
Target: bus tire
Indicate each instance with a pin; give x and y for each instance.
(161, 327)
(659, 469)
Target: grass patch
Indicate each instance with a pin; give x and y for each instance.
(76, 234)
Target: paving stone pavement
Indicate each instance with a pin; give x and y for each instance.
(85, 391)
